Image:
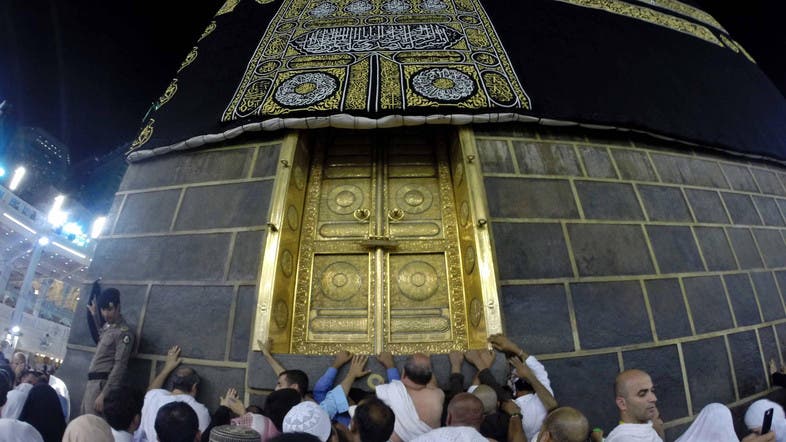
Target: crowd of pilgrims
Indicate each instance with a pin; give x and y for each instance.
(410, 406)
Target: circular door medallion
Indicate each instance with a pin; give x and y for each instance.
(418, 280)
(414, 198)
(345, 199)
(340, 281)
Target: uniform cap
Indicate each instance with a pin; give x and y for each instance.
(109, 298)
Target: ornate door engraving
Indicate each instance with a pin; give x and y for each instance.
(377, 241)
(378, 247)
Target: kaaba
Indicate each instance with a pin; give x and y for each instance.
(601, 180)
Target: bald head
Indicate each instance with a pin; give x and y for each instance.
(488, 396)
(624, 381)
(565, 424)
(185, 380)
(635, 396)
(465, 410)
(417, 368)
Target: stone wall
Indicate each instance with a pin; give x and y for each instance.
(611, 253)
(185, 238)
(616, 254)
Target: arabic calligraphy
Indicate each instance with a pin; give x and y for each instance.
(380, 37)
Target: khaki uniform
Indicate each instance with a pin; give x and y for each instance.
(115, 343)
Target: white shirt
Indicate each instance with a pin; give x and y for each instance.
(532, 410)
(633, 433)
(452, 434)
(155, 399)
(15, 400)
(122, 436)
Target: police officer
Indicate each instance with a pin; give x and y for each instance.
(115, 343)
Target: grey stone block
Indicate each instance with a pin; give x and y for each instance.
(261, 376)
(739, 177)
(780, 277)
(668, 308)
(634, 165)
(772, 247)
(267, 161)
(546, 158)
(148, 212)
(608, 200)
(200, 334)
(685, 170)
(780, 329)
(242, 329)
(111, 216)
(610, 314)
(745, 248)
(168, 258)
(709, 374)
(597, 162)
(715, 248)
(664, 203)
(186, 168)
(708, 304)
(768, 208)
(609, 249)
(74, 373)
(562, 133)
(495, 156)
(741, 209)
(663, 366)
(522, 130)
(132, 299)
(531, 251)
(768, 181)
(246, 256)
(587, 383)
(746, 357)
(675, 249)
(214, 382)
(138, 373)
(743, 300)
(536, 316)
(781, 204)
(769, 298)
(707, 206)
(225, 205)
(769, 346)
(530, 198)
(673, 433)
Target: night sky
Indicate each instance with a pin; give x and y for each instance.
(87, 71)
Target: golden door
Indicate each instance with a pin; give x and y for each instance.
(385, 260)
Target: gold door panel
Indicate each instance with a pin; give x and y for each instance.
(380, 249)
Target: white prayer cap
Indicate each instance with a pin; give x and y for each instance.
(308, 417)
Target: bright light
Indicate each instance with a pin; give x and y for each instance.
(98, 227)
(19, 173)
(2, 171)
(43, 240)
(72, 251)
(56, 216)
(73, 229)
(20, 223)
(15, 329)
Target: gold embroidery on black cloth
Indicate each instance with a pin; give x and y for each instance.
(228, 7)
(686, 10)
(168, 93)
(189, 59)
(377, 55)
(208, 30)
(650, 16)
(144, 135)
